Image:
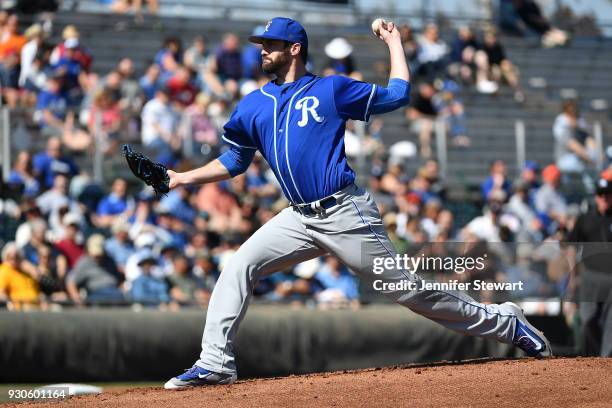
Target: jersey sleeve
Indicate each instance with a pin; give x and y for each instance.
(234, 131)
(352, 98)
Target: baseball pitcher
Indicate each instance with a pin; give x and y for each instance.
(297, 122)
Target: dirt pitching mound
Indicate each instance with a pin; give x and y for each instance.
(557, 382)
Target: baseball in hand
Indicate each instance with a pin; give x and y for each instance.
(377, 25)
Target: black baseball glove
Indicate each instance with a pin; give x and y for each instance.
(153, 173)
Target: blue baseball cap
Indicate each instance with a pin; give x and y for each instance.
(531, 165)
(284, 29)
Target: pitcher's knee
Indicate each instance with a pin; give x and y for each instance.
(242, 266)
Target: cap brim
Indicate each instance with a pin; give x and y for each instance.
(259, 39)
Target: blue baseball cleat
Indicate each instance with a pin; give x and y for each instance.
(528, 338)
(196, 376)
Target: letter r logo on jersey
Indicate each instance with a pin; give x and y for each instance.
(308, 104)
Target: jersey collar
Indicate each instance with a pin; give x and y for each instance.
(273, 88)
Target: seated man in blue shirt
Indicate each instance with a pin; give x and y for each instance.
(146, 289)
(52, 108)
(52, 162)
(114, 205)
(340, 287)
(119, 246)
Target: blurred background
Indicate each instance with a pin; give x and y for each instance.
(506, 140)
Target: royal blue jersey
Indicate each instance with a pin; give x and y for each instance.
(299, 129)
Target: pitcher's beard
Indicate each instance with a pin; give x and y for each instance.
(273, 67)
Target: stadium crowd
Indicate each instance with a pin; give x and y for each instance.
(77, 243)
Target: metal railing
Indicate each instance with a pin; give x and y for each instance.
(6, 142)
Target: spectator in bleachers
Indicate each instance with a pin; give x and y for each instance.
(32, 214)
(420, 185)
(115, 206)
(422, 115)
(30, 250)
(147, 223)
(52, 108)
(409, 43)
(52, 200)
(383, 199)
(147, 289)
(251, 57)
(501, 67)
(340, 61)
(198, 242)
(432, 53)
(19, 287)
(519, 205)
(196, 56)
(71, 36)
(395, 179)
(429, 219)
(529, 175)
(181, 90)
(69, 245)
(200, 128)
(173, 228)
(339, 285)
(258, 183)
(224, 70)
(51, 273)
(549, 202)
(168, 250)
(112, 83)
(131, 94)
(492, 226)
(168, 58)
(450, 108)
(287, 286)
(52, 162)
(469, 62)
(11, 43)
(150, 82)
(96, 273)
(399, 243)
(205, 269)
(23, 174)
(36, 78)
(135, 6)
(575, 149)
(497, 180)
(530, 14)
(159, 124)
(178, 203)
(4, 15)
(119, 246)
(145, 242)
(431, 171)
(105, 120)
(221, 204)
(185, 287)
(445, 226)
(68, 69)
(34, 38)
